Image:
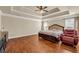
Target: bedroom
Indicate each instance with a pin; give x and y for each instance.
(24, 23)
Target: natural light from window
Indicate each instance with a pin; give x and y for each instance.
(69, 23)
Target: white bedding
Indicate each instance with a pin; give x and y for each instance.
(57, 33)
(54, 32)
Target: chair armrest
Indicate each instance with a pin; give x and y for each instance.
(64, 35)
(75, 36)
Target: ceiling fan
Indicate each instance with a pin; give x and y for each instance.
(41, 9)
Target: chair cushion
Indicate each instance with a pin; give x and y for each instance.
(66, 38)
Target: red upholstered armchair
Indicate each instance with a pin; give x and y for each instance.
(69, 37)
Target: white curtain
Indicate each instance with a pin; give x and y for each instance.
(44, 25)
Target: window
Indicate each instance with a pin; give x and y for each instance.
(69, 23)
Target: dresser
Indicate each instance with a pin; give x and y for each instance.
(3, 40)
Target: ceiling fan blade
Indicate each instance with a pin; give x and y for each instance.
(45, 10)
(45, 7)
(40, 7)
(37, 6)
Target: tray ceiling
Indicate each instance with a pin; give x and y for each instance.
(53, 11)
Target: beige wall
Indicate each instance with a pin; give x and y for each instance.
(62, 22)
(0, 20)
(17, 25)
(77, 23)
(59, 22)
(20, 27)
(5, 8)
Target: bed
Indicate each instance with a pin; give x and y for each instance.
(53, 32)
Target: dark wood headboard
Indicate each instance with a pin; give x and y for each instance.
(56, 26)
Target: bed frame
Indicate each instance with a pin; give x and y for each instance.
(50, 37)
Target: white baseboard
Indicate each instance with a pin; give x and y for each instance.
(21, 36)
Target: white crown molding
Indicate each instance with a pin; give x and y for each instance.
(26, 18)
(35, 12)
(30, 10)
(52, 11)
(35, 17)
(56, 14)
(62, 17)
(21, 12)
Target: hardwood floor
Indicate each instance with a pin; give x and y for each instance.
(32, 44)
